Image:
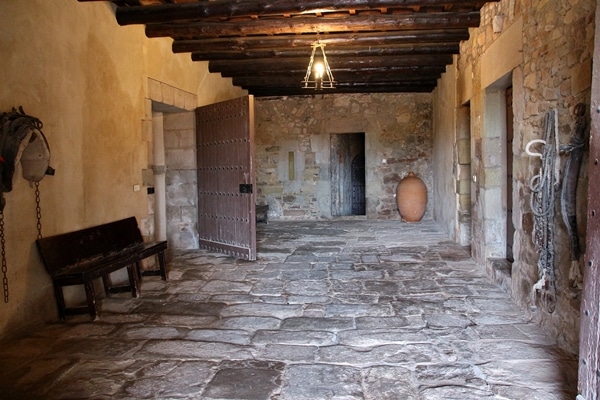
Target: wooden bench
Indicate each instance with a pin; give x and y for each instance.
(80, 257)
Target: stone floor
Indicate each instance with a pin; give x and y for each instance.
(343, 310)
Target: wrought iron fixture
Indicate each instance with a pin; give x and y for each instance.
(318, 70)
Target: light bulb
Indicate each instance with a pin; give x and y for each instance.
(319, 70)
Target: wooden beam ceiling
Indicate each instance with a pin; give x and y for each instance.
(265, 45)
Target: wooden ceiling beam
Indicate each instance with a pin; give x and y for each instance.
(357, 71)
(288, 64)
(339, 84)
(363, 78)
(331, 40)
(354, 51)
(299, 25)
(278, 92)
(240, 8)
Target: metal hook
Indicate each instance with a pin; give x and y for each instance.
(532, 142)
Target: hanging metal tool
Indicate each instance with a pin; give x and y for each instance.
(543, 187)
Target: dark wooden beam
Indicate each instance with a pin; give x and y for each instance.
(285, 64)
(301, 71)
(331, 40)
(240, 8)
(341, 78)
(392, 50)
(277, 92)
(316, 25)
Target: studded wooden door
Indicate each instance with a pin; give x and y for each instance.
(225, 152)
(589, 337)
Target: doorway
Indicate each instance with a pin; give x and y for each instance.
(348, 195)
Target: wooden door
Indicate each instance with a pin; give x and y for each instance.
(226, 199)
(589, 337)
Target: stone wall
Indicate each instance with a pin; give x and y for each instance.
(181, 180)
(397, 131)
(543, 49)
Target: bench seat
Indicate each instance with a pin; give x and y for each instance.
(81, 257)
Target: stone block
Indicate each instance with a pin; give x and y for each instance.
(581, 75)
(179, 121)
(187, 138)
(180, 158)
(271, 190)
(464, 151)
(168, 94)
(465, 202)
(171, 140)
(492, 177)
(154, 90)
(294, 213)
(179, 98)
(191, 101)
(182, 195)
(463, 187)
(492, 203)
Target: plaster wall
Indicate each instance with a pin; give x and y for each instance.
(543, 49)
(87, 79)
(397, 131)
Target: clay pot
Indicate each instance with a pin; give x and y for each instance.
(411, 197)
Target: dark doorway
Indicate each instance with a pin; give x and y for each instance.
(348, 174)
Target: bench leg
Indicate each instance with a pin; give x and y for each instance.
(91, 299)
(60, 300)
(107, 282)
(162, 264)
(133, 270)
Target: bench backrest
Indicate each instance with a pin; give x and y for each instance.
(70, 248)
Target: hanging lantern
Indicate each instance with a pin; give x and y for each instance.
(318, 73)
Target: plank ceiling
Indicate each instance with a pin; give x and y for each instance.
(265, 45)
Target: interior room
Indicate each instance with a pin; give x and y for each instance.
(208, 122)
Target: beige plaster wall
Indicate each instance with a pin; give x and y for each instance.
(543, 49)
(72, 66)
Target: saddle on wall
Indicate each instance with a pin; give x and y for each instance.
(22, 140)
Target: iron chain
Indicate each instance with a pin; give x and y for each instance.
(38, 210)
(4, 268)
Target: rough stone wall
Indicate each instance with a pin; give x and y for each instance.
(554, 73)
(397, 131)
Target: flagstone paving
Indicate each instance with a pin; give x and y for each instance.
(330, 310)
